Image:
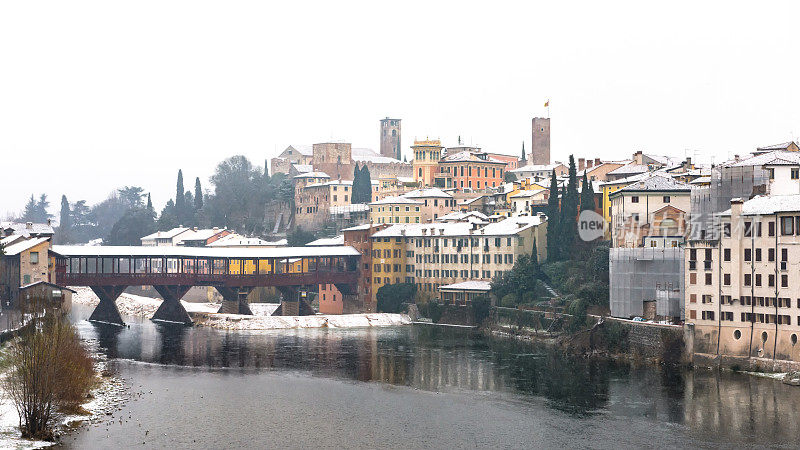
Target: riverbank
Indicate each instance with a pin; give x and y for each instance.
(106, 397)
(205, 314)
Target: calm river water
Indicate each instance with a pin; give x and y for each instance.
(411, 387)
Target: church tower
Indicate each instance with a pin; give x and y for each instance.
(540, 150)
(390, 138)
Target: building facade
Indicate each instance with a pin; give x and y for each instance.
(390, 138)
(540, 138)
(743, 290)
(470, 171)
(393, 210)
(427, 154)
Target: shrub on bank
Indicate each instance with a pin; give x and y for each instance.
(48, 369)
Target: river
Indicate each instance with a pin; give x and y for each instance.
(413, 387)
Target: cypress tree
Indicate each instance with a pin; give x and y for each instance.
(524, 158)
(587, 195)
(198, 195)
(355, 194)
(553, 220)
(366, 185)
(180, 199)
(569, 209)
(65, 221)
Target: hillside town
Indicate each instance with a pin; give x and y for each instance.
(706, 249)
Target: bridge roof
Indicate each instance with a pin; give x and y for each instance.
(201, 252)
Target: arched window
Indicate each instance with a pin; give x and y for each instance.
(394, 132)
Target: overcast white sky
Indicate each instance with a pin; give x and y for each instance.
(96, 95)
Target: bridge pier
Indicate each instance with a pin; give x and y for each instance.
(234, 300)
(292, 304)
(171, 309)
(106, 311)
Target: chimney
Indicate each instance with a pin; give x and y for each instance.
(48, 222)
(28, 225)
(581, 164)
(402, 232)
(736, 158)
(637, 157)
(597, 162)
(589, 163)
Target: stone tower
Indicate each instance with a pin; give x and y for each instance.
(540, 132)
(390, 138)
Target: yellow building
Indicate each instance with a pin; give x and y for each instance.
(427, 154)
(395, 210)
(609, 187)
(388, 262)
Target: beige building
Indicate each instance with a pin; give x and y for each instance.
(435, 203)
(640, 206)
(742, 297)
(395, 210)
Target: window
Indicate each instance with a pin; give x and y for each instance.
(771, 173)
(726, 254)
(748, 229)
(771, 254)
(34, 257)
(666, 199)
(747, 254)
(726, 279)
(709, 279)
(795, 174)
(693, 278)
(784, 254)
(726, 230)
(26, 279)
(692, 314)
(787, 226)
(635, 199)
(771, 228)
(771, 280)
(784, 280)
(747, 279)
(758, 254)
(758, 279)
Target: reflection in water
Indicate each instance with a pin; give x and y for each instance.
(720, 408)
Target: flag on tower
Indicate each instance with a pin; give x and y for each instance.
(547, 103)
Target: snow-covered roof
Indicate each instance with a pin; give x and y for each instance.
(45, 283)
(19, 247)
(392, 200)
(458, 215)
(630, 169)
(771, 204)
(701, 180)
(656, 182)
(27, 229)
(471, 285)
(427, 193)
(507, 227)
(169, 234)
(202, 252)
(469, 201)
(8, 240)
(470, 156)
(355, 207)
(336, 240)
(312, 175)
(781, 146)
(778, 157)
(198, 235)
(536, 168)
(237, 240)
(306, 150)
(303, 168)
(369, 155)
(528, 193)
(362, 227)
(628, 180)
(339, 183)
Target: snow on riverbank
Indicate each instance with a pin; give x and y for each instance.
(137, 305)
(239, 322)
(205, 314)
(107, 397)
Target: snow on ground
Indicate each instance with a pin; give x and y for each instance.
(205, 314)
(106, 398)
(240, 322)
(137, 305)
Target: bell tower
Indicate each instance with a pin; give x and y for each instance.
(390, 138)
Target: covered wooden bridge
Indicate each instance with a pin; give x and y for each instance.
(108, 270)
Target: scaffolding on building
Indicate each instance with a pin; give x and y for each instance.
(637, 274)
(727, 183)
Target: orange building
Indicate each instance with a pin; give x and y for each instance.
(470, 170)
(331, 300)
